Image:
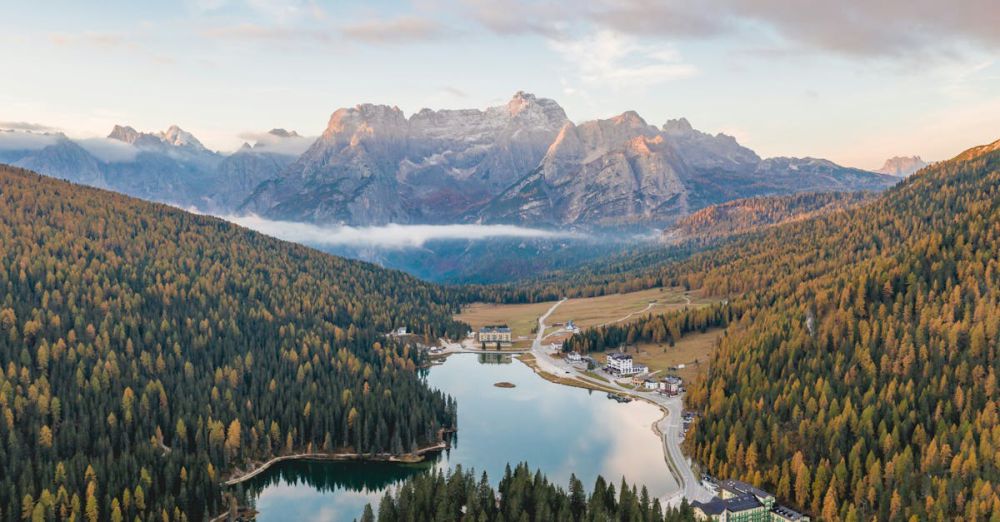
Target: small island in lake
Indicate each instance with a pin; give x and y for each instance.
(504, 384)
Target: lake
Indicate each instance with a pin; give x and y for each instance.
(560, 429)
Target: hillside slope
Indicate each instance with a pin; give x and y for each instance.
(148, 352)
(860, 380)
(750, 214)
(857, 376)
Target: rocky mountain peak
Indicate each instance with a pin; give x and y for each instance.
(174, 136)
(520, 101)
(179, 137)
(678, 126)
(124, 133)
(902, 166)
(364, 117)
(629, 118)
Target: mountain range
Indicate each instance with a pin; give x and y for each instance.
(521, 163)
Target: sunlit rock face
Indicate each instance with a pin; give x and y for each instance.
(522, 162)
(373, 165)
(902, 166)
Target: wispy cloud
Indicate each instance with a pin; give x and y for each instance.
(888, 28)
(388, 236)
(27, 126)
(98, 39)
(406, 29)
(109, 150)
(288, 145)
(617, 60)
(16, 140)
(396, 30)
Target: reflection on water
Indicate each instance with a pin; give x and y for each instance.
(495, 358)
(297, 490)
(560, 429)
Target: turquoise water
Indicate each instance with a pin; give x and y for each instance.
(560, 429)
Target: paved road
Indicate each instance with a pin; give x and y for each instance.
(670, 426)
(546, 362)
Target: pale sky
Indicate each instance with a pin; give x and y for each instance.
(851, 81)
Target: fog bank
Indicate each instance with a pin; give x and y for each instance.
(387, 236)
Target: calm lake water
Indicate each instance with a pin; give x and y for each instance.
(560, 429)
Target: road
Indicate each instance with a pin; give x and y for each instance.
(669, 426)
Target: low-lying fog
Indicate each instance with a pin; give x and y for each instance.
(387, 236)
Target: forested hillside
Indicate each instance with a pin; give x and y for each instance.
(858, 375)
(147, 353)
(521, 496)
(746, 215)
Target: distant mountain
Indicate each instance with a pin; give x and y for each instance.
(171, 166)
(373, 165)
(624, 171)
(902, 166)
(523, 162)
(526, 163)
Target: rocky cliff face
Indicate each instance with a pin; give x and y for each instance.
(373, 165)
(622, 171)
(522, 162)
(902, 166)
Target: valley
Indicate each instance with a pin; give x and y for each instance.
(500, 261)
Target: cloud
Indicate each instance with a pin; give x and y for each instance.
(405, 29)
(617, 60)
(507, 17)
(397, 30)
(287, 145)
(454, 91)
(15, 140)
(90, 37)
(887, 28)
(250, 31)
(388, 236)
(26, 126)
(109, 150)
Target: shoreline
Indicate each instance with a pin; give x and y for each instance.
(419, 455)
(655, 426)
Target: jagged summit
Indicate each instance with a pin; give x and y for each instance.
(124, 133)
(174, 136)
(526, 162)
(178, 137)
(678, 126)
(902, 166)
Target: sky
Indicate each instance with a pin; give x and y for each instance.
(852, 81)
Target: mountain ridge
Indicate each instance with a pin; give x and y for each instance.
(526, 163)
(523, 162)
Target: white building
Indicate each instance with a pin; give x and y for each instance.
(621, 364)
(573, 357)
(495, 334)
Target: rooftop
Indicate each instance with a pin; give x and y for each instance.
(620, 356)
(713, 507)
(742, 503)
(788, 513)
(495, 328)
(738, 487)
